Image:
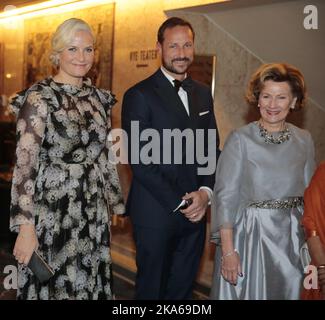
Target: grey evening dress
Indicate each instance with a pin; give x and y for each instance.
(252, 178)
(65, 185)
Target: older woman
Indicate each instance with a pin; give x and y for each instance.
(261, 176)
(314, 224)
(64, 188)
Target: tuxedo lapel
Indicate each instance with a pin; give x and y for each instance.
(193, 103)
(171, 99)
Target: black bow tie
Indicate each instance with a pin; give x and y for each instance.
(185, 84)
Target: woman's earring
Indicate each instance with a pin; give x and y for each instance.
(293, 104)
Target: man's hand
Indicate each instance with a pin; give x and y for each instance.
(26, 243)
(196, 211)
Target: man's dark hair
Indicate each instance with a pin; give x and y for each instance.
(171, 23)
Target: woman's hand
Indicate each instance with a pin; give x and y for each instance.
(230, 262)
(230, 267)
(26, 243)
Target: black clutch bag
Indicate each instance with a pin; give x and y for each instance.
(40, 268)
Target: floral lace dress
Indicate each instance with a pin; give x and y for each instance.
(65, 185)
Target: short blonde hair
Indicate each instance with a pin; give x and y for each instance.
(64, 34)
(277, 72)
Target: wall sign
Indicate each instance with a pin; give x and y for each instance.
(142, 57)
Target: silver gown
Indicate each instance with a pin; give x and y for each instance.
(258, 192)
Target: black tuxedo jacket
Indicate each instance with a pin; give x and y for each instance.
(157, 188)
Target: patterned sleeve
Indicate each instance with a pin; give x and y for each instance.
(107, 98)
(111, 176)
(31, 122)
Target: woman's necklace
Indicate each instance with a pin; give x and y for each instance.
(284, 135)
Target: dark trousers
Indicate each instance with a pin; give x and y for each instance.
(167, 261)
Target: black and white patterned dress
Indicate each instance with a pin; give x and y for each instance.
(64, 184)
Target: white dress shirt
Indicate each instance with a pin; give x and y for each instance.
(183, 95)
(181, 92)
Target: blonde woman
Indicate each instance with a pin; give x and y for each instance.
(64, 188)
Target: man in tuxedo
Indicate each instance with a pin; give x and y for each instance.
(168, 200)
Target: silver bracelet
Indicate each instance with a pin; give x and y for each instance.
(229, 253)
